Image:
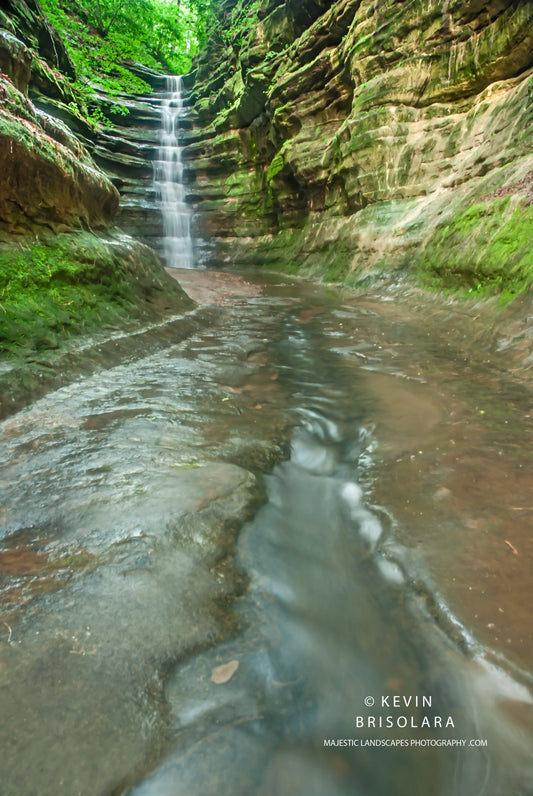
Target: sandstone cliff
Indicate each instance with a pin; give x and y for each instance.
(343, 138)
(48, 178)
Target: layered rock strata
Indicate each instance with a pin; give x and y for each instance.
(352, 137)
(126, 151)
(33, 60)
(48, 179)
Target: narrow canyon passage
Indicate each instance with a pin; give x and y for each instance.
(224, 564)
(266, 461)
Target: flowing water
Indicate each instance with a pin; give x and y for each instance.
(168, 169)
(244, 563)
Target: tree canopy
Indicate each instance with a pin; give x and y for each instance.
(101, 35)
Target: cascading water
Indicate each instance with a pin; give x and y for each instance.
(177, 241)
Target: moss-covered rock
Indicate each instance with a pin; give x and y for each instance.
(24, 18)
(75, 283)
(62, 273)
(487, 245)
(15, 60)
(375, 122)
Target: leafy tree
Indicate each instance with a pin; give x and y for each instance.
(102, 36)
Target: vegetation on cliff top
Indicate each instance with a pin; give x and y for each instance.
(102, 36)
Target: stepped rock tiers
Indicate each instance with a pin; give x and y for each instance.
(348, 137)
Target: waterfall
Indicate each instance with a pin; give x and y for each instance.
(168, 171)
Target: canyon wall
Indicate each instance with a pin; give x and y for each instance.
(348, 138)
(76, 196)
(48, 178)
(95, 174)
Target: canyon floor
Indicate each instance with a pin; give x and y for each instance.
(222, 546)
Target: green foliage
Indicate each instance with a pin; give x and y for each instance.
(103, 36)
(244, 21)
(239, 28)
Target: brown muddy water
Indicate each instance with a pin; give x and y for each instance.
(290, 554)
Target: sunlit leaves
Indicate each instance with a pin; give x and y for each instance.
(100, 34)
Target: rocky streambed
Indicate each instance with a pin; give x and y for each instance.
(220, 554)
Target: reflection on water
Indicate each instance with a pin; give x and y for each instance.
(142, 648)
(329, 625)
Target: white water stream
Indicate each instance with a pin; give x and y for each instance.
(168, 170)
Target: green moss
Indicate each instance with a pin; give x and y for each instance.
(483, 249)
(404, 164)
(275, 167)
(50, 292)
(337, 271)
(14, 100)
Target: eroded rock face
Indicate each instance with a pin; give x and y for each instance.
(48, 178)
(125, 151)
(15, 60)
(25, 19)
(46, 186)
(34, 58)
(353, 136)
(41, 109)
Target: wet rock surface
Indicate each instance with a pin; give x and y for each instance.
(45, 184)
(143, 628)
(86, 563)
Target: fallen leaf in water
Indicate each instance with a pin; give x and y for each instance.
(23, 561)
(511, 547)
(10, 632)
(221, 674)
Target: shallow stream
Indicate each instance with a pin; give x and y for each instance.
(287, 555)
